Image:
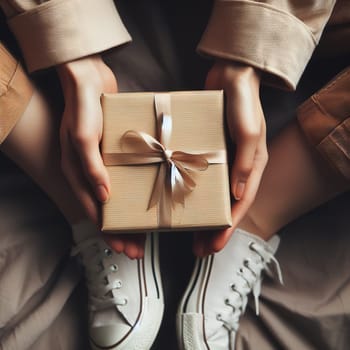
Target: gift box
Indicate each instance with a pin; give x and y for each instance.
(166, 157)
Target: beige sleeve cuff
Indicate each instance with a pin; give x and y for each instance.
(63, 30)
(260, 35)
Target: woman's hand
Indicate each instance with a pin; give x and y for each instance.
(83, 81)
(247, 128)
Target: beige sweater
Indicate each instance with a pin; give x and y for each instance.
(276, 36)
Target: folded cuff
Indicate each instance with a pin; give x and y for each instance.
(336, 148)
(260, 35)
(15, 92)
(63, 30)
(325, 120)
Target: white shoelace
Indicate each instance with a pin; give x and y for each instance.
(100, 273)
(248, 279)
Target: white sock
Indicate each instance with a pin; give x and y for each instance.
(83, 230)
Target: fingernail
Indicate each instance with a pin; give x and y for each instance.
(239, 190)
(101, 193)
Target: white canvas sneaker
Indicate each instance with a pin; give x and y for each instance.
(217, 295)
(125, 296)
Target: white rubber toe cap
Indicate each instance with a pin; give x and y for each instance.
(108, 336)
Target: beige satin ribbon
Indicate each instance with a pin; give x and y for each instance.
(176, 168)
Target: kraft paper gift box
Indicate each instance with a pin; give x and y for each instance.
(166, 158)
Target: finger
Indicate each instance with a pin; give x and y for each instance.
(219, 239)
(131, 250)
(241, 207)
(132, 245)
(245, 123)
(71, 169)
(135, 245)
(87, 147)
(243, 166)
(206, 243)
(115, 242)
(200, 241)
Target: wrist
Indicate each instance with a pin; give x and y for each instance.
(90, 71)
(247, 71)
(74, 74)
(227, 71)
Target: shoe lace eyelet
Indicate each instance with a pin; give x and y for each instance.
(118, 284)
(107, 252)
(219, 317)
(113, 267)
(227, 302)
(233, 286)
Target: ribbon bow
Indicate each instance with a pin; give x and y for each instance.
(175, 176)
